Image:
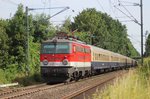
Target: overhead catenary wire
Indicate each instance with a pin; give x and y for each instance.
(112, 4)
(101, 6)
(135, 20)
(50, 7)
(10, 2)
(127, 2)
(134, 39)
(123, 12)
(128, 16)
(44, 5)
(126, 20)
(122, 17)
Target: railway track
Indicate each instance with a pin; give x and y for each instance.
(80, 94)
(61, 90)
(88, 91)
(19, 89)
(25, 91)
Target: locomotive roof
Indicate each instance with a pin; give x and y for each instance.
(57, 40)
(64, 40)
(80, 42)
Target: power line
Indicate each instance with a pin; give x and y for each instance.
(100, 5)
(11, 2)
(126, 20)
(123, 12)
(122, 17)
(134, 39)
(44, 5)
(135, 20)
(127, 2)
(111, 8)
(50, 6)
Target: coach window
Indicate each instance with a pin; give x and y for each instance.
(96, 56)
(77, 49)
(112, 58)
(93, 56)
(105, 57)
(99, 56)
(83, 49)
(80, 49)
(88, 51)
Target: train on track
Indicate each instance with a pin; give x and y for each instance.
(64, 59)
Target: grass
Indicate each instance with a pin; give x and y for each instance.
(134, 85)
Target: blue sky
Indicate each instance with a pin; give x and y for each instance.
(8, 8)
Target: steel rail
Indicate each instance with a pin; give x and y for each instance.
(83, 90)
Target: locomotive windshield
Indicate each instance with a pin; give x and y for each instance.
(59, 47)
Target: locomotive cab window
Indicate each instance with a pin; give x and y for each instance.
(56, 48)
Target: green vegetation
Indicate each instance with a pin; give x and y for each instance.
(134, 85)
(106, 33)
(147, 46)
(103, 31)
(13, 42)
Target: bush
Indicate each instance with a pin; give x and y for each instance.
(2, 77)
(11, 72)
(144, 70)
(131, 86)
(37, 77)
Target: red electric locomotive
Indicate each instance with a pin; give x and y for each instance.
(63, 60)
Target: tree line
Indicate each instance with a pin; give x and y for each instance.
(147, 46)
(90, 26)
(13, 44)
(99, 29)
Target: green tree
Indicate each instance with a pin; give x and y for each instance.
(103, 31)
(43, 28)
(66, 26)
(89, 21)
(147, 46)
(17, 37)
(3, 44)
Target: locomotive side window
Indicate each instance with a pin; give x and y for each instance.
(50, 48)
(87, 50)
(79, 49)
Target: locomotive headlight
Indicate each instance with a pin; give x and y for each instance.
(45, 62)
(65, 62)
